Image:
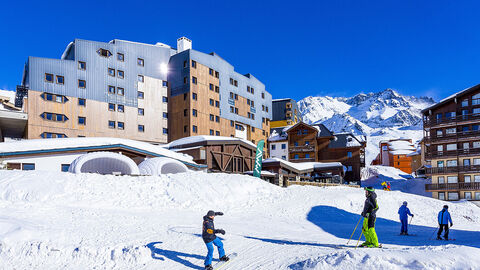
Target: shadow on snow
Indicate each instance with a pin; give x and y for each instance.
(341, 223)
(161, 254)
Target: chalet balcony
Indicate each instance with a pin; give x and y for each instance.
(452, 153)
(452, 186)
(303, 160)
(432, 121)
(454, 169)
(453, 136)
(305, 148)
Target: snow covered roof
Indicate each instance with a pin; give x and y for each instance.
(278, 134)
(401, 147)
(343, 140)
(71, 144)
(262, 173)
(451, 97)
(7, 100)
(205, 138)
(303, 166)
(281, 99)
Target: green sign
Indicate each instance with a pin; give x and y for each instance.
(258, 159)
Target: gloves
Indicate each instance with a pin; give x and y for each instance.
(451, 224)
(413, 215)
(218, 214)
(221, 231)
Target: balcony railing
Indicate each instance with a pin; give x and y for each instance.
(432, 121)
(305, 148)
(454, 169)
(303, 159)
(453, 136)
(452, 186)
(452, 153)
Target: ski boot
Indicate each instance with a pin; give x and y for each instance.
(364, 244)
(208, 267)
(439, 238)
(224, 258)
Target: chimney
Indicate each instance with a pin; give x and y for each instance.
(183, 44)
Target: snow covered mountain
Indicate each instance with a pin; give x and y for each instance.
(381, 115)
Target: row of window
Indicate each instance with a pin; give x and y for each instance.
(283, 146)
(54, 97)
(215, 88)
(120, 56)
(454, 163)
(453, 196)
(454, 114)
(54, 117)
(475, 100)
(450, 131)
(120, 73)
(453, 146)
(233, 82)
(214, 103)
(50, 78)
(49, 135)
(211, 71)
(116, 90)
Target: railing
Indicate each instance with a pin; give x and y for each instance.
(452, 136)
(450, 153)
(305, 148)
(318, 184)
(452, 186)
(454, 169)
(303, 159)
(431, 121)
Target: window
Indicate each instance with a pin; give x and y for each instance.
(217, 74)
(165, 115)
(439, 133)
(82, 65)
(141, 128)
(349, 168)
(441, 196)
(236, 110)
(120, 108)
(253, 129)
(210, 71)
(82, 102)
(194, 80)
(111, 124)
(477, 196)
(263, 95)
(212, 132)
(284, 157)
(141, 111)
(53, 97)
(111, 107)
(248, 101)
(141, 78)
(185, 128)
(266, 108)
(185, 64)
(217, 133)
(476, 178)
(140, 62)
(194, 112)
(476, 144)
(82, 120)
(440, 148)
(307, 142)
(194, 129)
(307, 155)
(194, 64)
(476, 161)
(64, 167)
(450, 115)
(452, 163)
(217, 103)
(165, 99)
(185, 112)
(452, 196)
(284, 146)
(452, 179)
(211, 87)
(212, 117)
(212, 102)
(476, 99)
(451, 131)
(236, 97)
(82, 84)
(140, 94)
(194, 96)
(468, 195)
(295, 156)
(466, 145)
(165, 130)
(28, 166)
(232, 123)
(54, 117)
(465, 103)
(273, 146)
(164, 83)
(248, 89)
(476, 111)
(111, 72)
(60, 79)
(104, 52)
(120, 57)
(452, 146)
(217, 119)
(111, 89)
(440, 164)
(295, 143)
(467, 179)
(466, 162)
(217, 89)
(120, 74)
(121, 125)
(120, 91)
(349, 154)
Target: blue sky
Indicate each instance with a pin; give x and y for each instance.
(297, 48)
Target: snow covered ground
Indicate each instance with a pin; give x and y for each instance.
(89, 221)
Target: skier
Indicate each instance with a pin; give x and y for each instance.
(404, 212)
(443, 219)
(369, 214)
(210, 239)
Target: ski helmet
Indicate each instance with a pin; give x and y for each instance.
(445, 206)
(404, 203)
(211, 213)
(370, 189)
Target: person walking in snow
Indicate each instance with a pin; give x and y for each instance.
(443, 219)
(210, 239)
(369, 213)
(404, 212)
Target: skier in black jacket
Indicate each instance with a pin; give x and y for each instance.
(210, 239)
(370, 214)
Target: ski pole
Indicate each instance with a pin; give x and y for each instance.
(354, 230)
(433, 233)
(410, 221)
(359, 239)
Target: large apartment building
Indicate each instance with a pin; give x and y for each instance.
(140, 91)
(208, 97)
(452, 139)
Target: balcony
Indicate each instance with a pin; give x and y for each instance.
(303, 160)
(453, 136)
(455, 169)
(305, 148)
(452, 186)
(452, 153)
(431, 121)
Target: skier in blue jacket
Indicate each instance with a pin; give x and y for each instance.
(404, 212)
(210, 239)
(443, 219)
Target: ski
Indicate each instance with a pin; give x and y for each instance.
(221, 264)
(407, 235)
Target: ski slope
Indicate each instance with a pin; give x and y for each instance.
(89, 221)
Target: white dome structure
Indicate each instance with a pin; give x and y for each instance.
(104, 163)
(161, 165)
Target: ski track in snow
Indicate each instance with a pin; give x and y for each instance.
(89, 221)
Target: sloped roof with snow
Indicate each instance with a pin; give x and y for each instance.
(205, 138)
(303, 166)
(451, 97)
(344, 140)
(401, 147)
